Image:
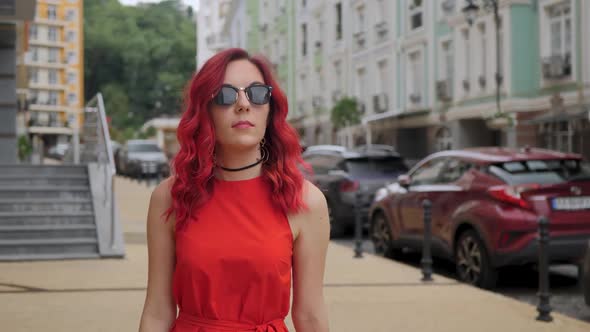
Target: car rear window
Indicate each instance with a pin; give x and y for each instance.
(375, 166)
(143, 148)
(541, 171)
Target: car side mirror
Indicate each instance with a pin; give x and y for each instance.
(404, 180)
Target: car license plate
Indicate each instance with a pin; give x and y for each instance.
(571, 203)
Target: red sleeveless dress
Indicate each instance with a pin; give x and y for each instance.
(233, 264)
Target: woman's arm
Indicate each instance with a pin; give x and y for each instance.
(309, 311)
(159, 309)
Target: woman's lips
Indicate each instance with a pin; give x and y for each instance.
(243, 124)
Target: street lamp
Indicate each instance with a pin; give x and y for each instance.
(470, 11)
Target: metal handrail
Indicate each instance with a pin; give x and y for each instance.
(111, 170)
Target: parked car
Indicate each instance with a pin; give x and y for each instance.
(345, 176)
(486, 203)
(586, 276)
(142, 158)
(58, 151)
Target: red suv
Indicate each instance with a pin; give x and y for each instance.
(485, 208)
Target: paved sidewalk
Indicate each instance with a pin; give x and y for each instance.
(370, 294)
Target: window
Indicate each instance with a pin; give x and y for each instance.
(304, 39)
(33, 75)
(322, 164)
(560, 29)
(51, 12)
(72, 99)
(483, 50)
(52, 76)
(71, 36)
(72, 59)
(52, 33)
(35, 53)
(454, 170)
(415, 77)
(339, 21)
(53, 55)
(382, 11)
(360, 19)
(466, 59)
(72, 78)
(447, 60)
(428, 173)
(303, 3)
(415, 13)
(71, 15)
(541, 171)
(383, 76)
(52, 98)
(361, 85)
(33, 31)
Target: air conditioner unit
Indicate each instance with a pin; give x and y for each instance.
(380, 102)
(263, 26)
(443, 90)
(360, 38)
(415, 98)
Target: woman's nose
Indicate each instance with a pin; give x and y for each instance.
(242, 102)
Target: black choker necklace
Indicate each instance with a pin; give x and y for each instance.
(241, 168)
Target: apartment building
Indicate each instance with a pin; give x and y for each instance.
(211, 18)
(13, 42)
(425, 77)
(55, 63)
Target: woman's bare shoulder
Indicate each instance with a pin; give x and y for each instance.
(161, 195)
(313, 198)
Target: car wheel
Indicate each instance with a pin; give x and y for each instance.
(381, 236)
(337, 230)
(472, 261)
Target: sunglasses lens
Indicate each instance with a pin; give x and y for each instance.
(226, 96)
(258, 94)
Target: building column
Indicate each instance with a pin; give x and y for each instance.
(8, 144)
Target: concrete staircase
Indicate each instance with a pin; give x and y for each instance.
(46, 212)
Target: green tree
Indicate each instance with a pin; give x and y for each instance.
(345, 113)
(139, 57)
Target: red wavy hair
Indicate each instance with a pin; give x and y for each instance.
(193, 165)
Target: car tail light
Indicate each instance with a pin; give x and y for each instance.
(349, 186)
(512, 194)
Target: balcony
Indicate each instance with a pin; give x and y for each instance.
(57, 22)
(48, 86)
(48, 123)
(47, 43)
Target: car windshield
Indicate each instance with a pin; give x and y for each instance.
(542, 171)
(376, 166)
(143, 148)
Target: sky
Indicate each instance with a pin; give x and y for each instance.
(134, 2)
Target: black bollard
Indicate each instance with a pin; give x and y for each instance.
(426, 244)
(358, 227)
(544, 307)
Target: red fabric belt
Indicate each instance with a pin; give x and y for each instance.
(277, 325)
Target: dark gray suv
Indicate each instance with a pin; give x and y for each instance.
(345, 176)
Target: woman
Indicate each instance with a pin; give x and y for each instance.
(237, 217)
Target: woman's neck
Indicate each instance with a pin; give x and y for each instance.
(235, 160)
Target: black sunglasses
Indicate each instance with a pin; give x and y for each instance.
(257, 94)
